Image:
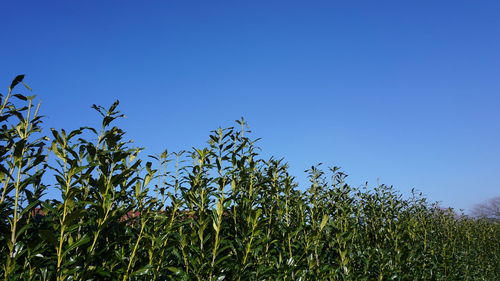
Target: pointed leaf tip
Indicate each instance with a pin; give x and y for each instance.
(19, 78)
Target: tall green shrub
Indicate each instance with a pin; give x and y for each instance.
(219, 212)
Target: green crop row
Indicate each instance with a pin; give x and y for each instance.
(216, 213)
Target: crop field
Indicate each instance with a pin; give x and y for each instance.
(219, 212)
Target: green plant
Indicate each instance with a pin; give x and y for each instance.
(220, 212)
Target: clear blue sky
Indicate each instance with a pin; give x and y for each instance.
(403, 92)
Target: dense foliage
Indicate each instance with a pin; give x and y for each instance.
(215, 213)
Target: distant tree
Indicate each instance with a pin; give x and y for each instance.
(489, 209)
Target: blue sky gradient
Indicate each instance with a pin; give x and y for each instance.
(405, 93)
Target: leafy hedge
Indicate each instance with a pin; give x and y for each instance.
(215, 213)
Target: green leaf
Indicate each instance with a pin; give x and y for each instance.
(18, 149)
(107, 120)
(22, 230)
(85, 239)
(72, 216)
(323, 222)
(4, 171)
(143, 270)
(175, 270)
(21, 97)
(17, 80)
(113, 106)
(30, 207)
